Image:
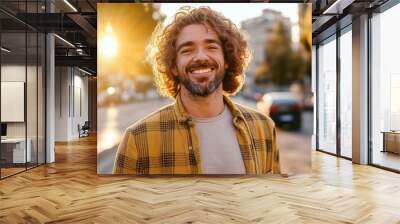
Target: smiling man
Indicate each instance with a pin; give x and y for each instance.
(199, 59)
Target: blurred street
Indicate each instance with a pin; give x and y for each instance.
(295, 147)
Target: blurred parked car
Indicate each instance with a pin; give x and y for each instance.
(282, 107)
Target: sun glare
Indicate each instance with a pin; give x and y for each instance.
(109, 44)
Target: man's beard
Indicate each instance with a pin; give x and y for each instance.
(199, 90)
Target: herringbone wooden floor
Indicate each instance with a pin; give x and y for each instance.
(70, 191)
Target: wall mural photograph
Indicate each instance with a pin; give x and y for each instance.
(197, 89)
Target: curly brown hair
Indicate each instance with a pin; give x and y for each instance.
(162, 53)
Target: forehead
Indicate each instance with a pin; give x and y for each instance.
(196, 33)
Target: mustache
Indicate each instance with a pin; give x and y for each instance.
(201, 65)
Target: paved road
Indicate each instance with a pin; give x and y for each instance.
(295, 147)
(112, 121)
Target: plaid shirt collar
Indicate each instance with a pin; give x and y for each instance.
(183, 116)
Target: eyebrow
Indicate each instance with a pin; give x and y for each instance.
(189, 43)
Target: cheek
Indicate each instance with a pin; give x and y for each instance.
(181, 63)
(221, 58)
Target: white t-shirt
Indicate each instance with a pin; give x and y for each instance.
(219, 147)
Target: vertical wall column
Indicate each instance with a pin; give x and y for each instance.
(360, 90)
(50, 91)
(50, 99)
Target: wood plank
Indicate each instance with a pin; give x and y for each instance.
(70, 191)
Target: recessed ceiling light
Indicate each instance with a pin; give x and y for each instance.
(84, 71)
(70, 5)
(337, 7)
(64, 40)
(5, 50)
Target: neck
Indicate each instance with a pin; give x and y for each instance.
(203, 107)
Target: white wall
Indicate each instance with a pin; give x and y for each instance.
(17, 73)
(80, 100)
(33, 126)
(71, 88)
(62, 81)
(14, 73)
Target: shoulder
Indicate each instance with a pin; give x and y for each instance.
(260, 124)
(253, 115)
(161, 115)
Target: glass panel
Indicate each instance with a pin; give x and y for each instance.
(23, 89)
(13, 86)
(41, 98)
(313, 77)
(385, 89)
(346, 94)
(31, 97)
(327, 96)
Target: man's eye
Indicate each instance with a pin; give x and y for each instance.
(212, 47)
(185, 51)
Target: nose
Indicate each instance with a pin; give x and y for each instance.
(200, 55)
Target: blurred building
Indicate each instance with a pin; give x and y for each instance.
(258, 30)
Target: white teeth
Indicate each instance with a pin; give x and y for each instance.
(200, 71)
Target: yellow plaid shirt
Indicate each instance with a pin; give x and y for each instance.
(165, 142)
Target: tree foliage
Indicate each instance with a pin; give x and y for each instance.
(279, 55)
(283, 65)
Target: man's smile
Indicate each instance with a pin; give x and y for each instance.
(204, 69)
(201, 71)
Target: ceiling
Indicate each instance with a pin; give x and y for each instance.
(74, 21)
(330, 15)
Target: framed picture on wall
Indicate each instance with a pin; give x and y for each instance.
(12, 101)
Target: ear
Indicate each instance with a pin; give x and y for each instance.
(226, 66)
